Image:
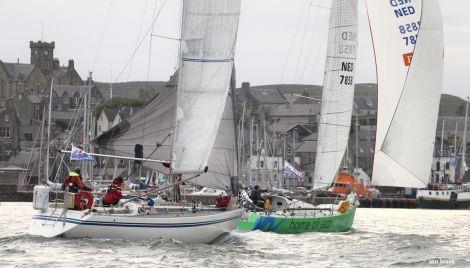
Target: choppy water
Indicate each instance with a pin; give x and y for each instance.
(380, 237)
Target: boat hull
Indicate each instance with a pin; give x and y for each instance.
(443, 199)
(297, 224)
(442, 204)
(188, 229)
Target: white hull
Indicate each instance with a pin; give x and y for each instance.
(200, 227)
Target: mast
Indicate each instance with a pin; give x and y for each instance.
(441, 154)
(49, 130)
(442, 139)
(464, 141)
(41, 132)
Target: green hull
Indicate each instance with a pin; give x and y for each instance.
(297, 224)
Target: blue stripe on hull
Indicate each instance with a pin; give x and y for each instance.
(124, 224)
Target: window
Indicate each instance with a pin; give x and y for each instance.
(6, 117)
(275, 164)
(66, 100)
(262, 164)
(289, 151)
(5, 132)
(57, 107)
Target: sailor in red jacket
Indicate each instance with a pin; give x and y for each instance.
(113, 195)
(74, 182)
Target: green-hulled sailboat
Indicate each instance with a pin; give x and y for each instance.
(293, 216)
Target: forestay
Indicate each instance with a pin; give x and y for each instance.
(408, 43)
(338, 91)
(208, 35)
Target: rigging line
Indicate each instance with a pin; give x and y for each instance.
(309, 46)
(102, 35)
(319, 6)
(292, 44)
(166, 37)
(324, 31)
(138, 36)
(140, 44)
(151, 39)
(299, 59)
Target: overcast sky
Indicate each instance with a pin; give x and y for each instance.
(279, 41)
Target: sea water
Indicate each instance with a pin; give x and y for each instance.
(379, 238)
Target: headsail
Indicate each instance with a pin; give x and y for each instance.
(408, 43)
(209, 31)
(338, 91)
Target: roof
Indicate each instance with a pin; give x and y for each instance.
(285, 124)
(35, 98)
(59, 73)
(266, 95)
(110, 114)
(18, 69)
(60, 89)
(312, 137)
(64, 115)
(22, 158)
(307, 147)
(286, 110)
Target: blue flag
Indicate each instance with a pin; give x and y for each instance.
(80, 155)
(290, 171)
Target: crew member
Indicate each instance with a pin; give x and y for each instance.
(114, 194)
(75, 182)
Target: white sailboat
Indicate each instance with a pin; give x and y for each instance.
(188, 134)
(409, 52)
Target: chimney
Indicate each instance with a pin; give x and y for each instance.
(246, 89)
(71, 64)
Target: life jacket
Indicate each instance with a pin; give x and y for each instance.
(113, 195)
(74, 182)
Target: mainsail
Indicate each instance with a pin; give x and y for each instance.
(209, 31)
(408, 44)
(338, 91)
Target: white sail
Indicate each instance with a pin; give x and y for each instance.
(209, 30)
(338, 91)
(408, 44)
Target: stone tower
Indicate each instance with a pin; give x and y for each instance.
(42, 55)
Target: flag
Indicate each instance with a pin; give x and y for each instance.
(80, 155)
(290, 171)
(452, 163)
